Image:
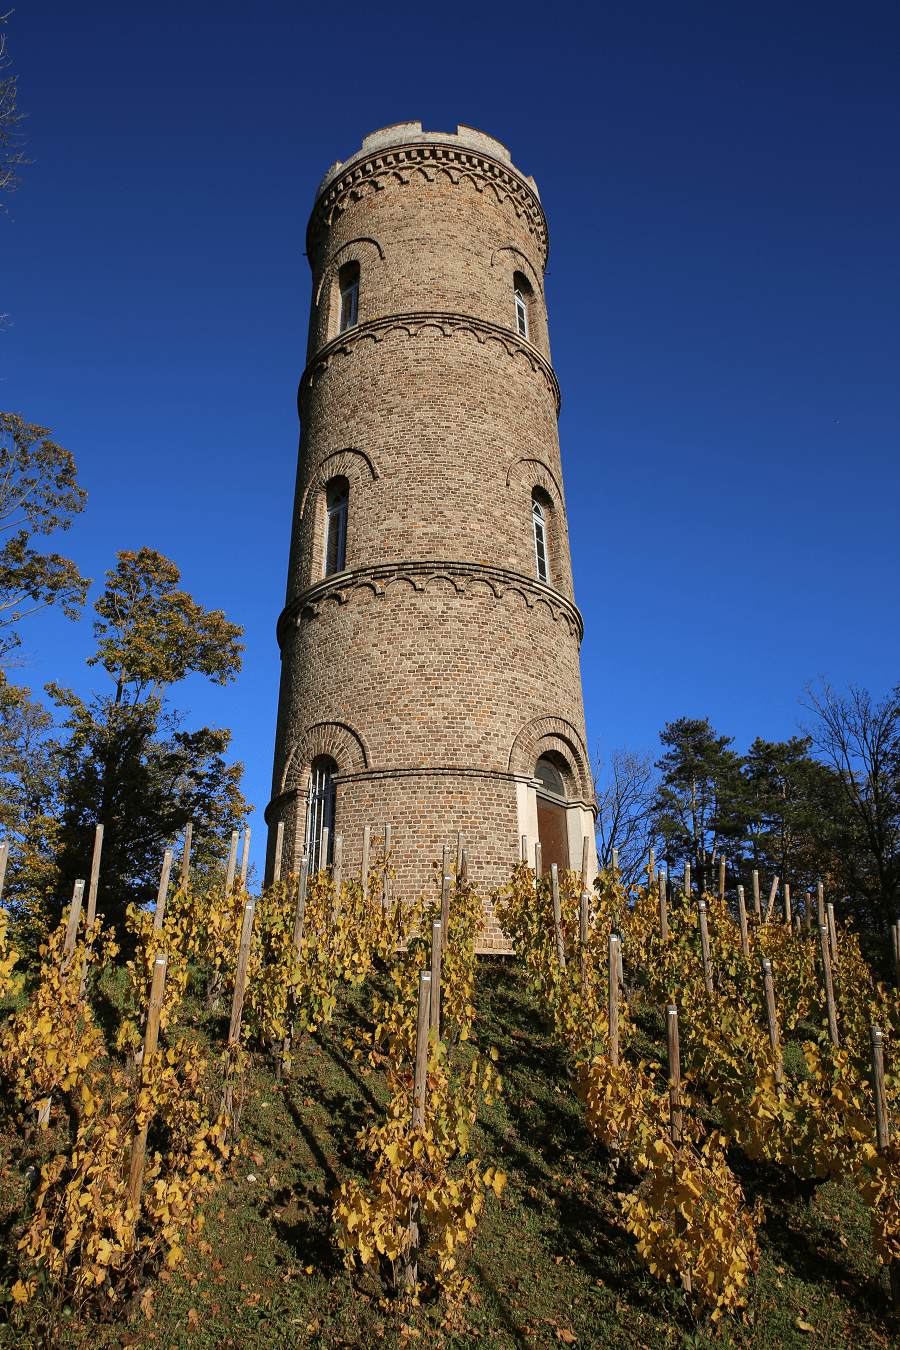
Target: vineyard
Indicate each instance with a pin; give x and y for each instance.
(315, 1117)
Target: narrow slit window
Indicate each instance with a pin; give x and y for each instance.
(337, 501)
(320, 819)
(521, 314)
(349, 287)
(539, 522)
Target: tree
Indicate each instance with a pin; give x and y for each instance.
(126, 762)
(38, 494)
(694, 806)
(625, 788)
(859, 741)
(12, 157)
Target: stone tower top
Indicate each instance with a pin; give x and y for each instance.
(411, 133)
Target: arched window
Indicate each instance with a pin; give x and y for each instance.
(553, 830)
(320, 818)
(348, 282)
(539, 526)
(337, 499)
(522, 293)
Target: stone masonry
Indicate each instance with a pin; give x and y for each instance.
(435, 668)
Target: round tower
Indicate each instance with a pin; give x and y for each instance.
(430, 637)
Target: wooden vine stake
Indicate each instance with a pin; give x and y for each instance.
(72, 928)
(386, 900)
(807, 919)
(584, 918)
(237, 1007)
(436, 949)
(615, 862)
(882, 1119)
(770, 907)
(722, 879)
(687, 881)
(186, 855)
(651, 869)
(704, 946)
(832, 930)
(829, 986)
(364, 865)
(151, 1035)
(538, 862)
(465, 867)
(788, 917)
(613, 999)
(742, 916)
(159, 914)
(820, 895)
(4, 856)
(772, 1016)
(459, 851)
(676, 1119)
(245, 858)
(663, 911)
(279, 849)
(524, 856)
(420, 1088)
(92, 902)
(585, 850)
(232, 862)
(446, 882)
(895, 946)
(756, 909)
(557, 917)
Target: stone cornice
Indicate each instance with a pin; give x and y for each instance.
(369, 172)
(341, 585)
(377, 329)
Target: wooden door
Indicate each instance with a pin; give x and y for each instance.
(553, 834)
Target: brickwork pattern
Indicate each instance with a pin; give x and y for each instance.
(436, 665)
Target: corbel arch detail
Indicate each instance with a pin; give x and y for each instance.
(511, 248)
(328, 268)
(548, 735)
(334, 739)
(348, 463)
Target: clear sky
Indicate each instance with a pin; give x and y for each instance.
(721, 185)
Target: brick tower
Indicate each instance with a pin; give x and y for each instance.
(430, 637)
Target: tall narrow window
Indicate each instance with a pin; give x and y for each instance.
(539, 522)
(348, 280)
(337, 499)
(521, 315)
(321, 814)
(522, 296)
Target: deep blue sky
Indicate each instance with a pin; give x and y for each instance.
(721, 185)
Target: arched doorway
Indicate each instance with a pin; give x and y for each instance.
(320, 815)
(551, 813)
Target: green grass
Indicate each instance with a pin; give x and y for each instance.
(550, 1261)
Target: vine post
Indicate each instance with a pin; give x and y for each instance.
(186, 855)
(4, 855)
(832, 930)
(829, 986)
(364, 864)
(237, 1006)
(807, 918)
(538, 863)
(459, 851)
(151, 1036)
(386, 897)
(245, 857)
(742, 916)
(445, 897)
(337, 872)
(91, 906)
(820, 895)
(279, 847)
(72, 928)
(788, 916)
(663, 913)
(232, 862)
(615, 862)
(435, 1018)
(465, 866)
(687, 881)
(882, 1120)
(524, 857)
(420, 1087)
(722, 879)
(159, 913)
(614, 999)
(772, 1016)
(770, 907)
(704, 946)
(676, 1118)
(756, 909)
(584, 864)
(895, 946)
(557, 917)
